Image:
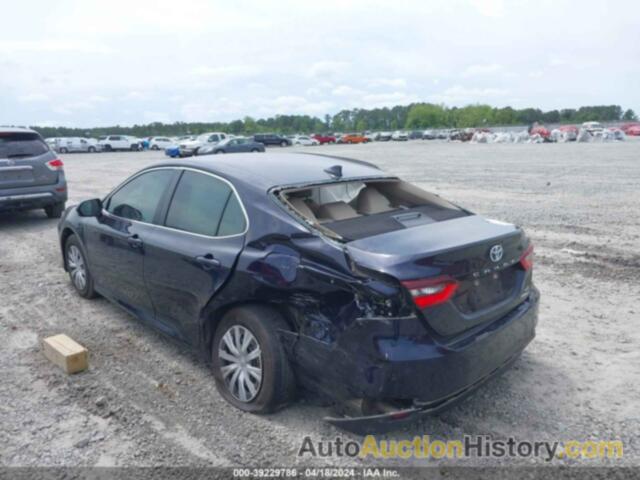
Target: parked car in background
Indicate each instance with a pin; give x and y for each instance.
(305, 141)
(160, 143)
(119, 142)
(272, 139)
(592, 127)
(429, 135)
(31, 174)
(415, 135)
(232, 145)
(75, 144)
(322, 139)
(541, 130)
(191, 147)
(384, 136)
(353, 138)
(399, 136)
(239, 264)
(627, 126)
(633, 130)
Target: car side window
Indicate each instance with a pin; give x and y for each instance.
(199, 203)
(139, 198)
(233, 220)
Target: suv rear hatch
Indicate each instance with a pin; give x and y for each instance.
(23, 161)
(451, 262)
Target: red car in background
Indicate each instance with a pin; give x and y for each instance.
(568, 128)
(322, 139)
(633, 130)
(540, 130)
(630, 128)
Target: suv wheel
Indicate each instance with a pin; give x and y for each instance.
(92, 149)
(249, 363)
(63, 150)
(76, 264)
(283, 143)
(55, 210)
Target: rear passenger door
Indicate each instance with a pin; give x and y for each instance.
(192, 255)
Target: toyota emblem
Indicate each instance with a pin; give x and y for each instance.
(496, 252)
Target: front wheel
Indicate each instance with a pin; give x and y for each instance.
(76, 264)
(283, 144)
(55, 210)
(254, 150)
(92, 149)
(249, 363)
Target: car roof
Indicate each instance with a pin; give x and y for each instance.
(16, 130)
(267, 170)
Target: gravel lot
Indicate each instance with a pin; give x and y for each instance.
(145, 401)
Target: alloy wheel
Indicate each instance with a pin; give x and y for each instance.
(241, 363)
(77, 269)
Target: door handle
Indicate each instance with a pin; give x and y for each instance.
(134, 241)
(208, 261)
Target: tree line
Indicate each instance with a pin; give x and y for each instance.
(411, 117)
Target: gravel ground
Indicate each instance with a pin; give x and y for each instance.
(145, 401)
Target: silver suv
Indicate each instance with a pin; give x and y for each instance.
(31, 174)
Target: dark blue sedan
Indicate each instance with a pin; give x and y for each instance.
(297, 270)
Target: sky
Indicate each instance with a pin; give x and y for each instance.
(97, 63)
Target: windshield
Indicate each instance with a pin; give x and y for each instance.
(21, 144)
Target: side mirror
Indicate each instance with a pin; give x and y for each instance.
(90, 208)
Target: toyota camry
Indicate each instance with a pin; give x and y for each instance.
(301, 271)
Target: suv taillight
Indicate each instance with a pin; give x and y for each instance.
(431, 291)
(526, 260)
(55, 165)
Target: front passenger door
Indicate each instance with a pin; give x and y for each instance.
(190, 259)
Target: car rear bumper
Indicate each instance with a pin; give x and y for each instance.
(394, 362)
(27, 198)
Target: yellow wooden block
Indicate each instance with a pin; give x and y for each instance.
(66, 353)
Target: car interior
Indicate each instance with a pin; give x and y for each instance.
(358, 209)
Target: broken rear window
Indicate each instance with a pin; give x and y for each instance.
(352, 210)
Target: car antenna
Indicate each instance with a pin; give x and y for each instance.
(335, 171)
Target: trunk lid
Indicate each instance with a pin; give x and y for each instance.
(23, 161)
(458, 249)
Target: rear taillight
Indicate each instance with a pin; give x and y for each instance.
(55, 165)
(431, 291)
(526, 260)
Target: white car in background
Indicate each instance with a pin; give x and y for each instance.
(399, 136)
(160, 143)
(118, 142)
(304, 140)
(190, 147)
(593, 127)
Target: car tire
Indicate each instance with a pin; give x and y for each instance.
(283, 143)
(155, 147)
(64, 150)
(254, 150)
(107, 148)
(92, 149)
(76, 264)
(275, 386)
(55, 210)
(216, 152)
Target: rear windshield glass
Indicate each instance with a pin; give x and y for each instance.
(352, 210)
(15, 145)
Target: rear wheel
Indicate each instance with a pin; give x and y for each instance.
(155, 147)
(92, 149)
(254, 150)
(76, 264)
(283, 143)
(55, 210)
(107, 148)
(249, 363)
(63, 150)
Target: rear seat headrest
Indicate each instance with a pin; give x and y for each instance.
(336, 211)
(371, 201)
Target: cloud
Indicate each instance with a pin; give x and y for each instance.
(327, 68)
(47, 46)
(377, 100)
(346, 91)
(33, 97)
(489, 8)
(459, 94)
(482, 70)
(388, 82)
(226, 71)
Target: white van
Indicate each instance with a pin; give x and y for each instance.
(74, 144)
